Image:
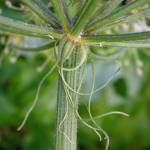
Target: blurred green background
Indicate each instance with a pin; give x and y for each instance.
(19, 77)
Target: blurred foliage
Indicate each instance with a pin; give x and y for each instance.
(128, 92)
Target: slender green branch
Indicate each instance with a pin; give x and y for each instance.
(116, 14)
(139, 44)
(66, 12)
(15, 26)
(59, 10)
(42, 10)
(126, 19)
(107, 9)
(87, 11)
(116, 37)
(34, 49)
(8, 29)
(110, 7)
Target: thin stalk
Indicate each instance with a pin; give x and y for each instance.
(41, 48)
(59, 10)
(66, 127)
(107, 9)
(116, 14)
(117, 37)
(126, 19)
(139, 44)
(42, 10)
(15, 26)
(87, 11)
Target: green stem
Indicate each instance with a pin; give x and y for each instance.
(117, 37)
(125, 19)
(116, 14)
(134, 44)
(42, 10)
(106, 10)
(41, 48)
(89, 8)
(15, 26)
(66, 128)
(59, 10)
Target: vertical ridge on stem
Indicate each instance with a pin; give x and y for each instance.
(66, 135)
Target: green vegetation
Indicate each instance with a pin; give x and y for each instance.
(100, 52)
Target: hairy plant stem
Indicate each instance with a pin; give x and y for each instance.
(66, 127)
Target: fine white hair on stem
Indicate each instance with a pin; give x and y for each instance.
(75, 109)
(62, 122)
(66, 113)
(69, 89)
(81, 119)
